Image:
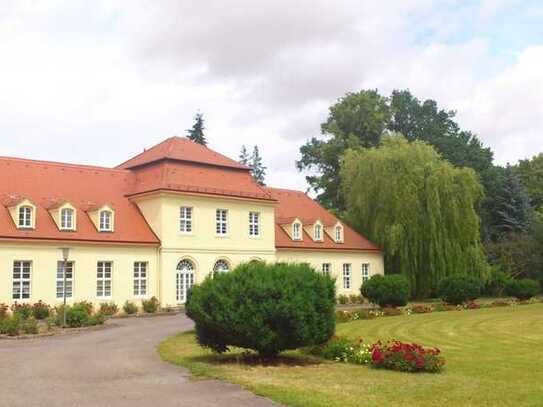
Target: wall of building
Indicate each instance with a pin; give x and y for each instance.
(44, 258)
(337, 259)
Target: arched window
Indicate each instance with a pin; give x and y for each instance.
(105, 221)
(67, 219)
(25, 217)
(184, 279)
(221, 266)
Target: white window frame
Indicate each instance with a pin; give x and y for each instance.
(218, 269)
(26, 212)
(317, 236)
(347, 275)
(101, 279)
(296, 231)
(105, 220)
(254, 224)
(221, 222)
(186, 219)
(338, 231)
(327, 269)
(365, 272)
(140, 275)
(69, 279)
(19, 267)
(67, 221)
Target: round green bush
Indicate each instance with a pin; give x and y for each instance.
(458, 289)
(387, 291)
(523, 289)
(150, 306)
(130, 308)
(265, 307)
(76, 317)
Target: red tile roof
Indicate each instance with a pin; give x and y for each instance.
(296, 204)
(47, 183)
(181, 149)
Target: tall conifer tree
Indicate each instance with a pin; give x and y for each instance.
(196, 133)
(259, 170)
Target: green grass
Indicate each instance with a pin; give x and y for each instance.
(494, 357)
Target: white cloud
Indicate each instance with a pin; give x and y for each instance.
(97, 83)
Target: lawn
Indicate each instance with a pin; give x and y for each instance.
(494, 357)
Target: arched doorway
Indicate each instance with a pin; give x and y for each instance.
(184, 279)
(220, 266)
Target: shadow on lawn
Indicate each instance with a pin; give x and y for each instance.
(253, 359)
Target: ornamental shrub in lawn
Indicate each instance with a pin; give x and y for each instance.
(387, 291)
(522, 289)
(459, 289)
(265, 307)
(406, 357)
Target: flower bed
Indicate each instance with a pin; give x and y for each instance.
(406, 357)
(393, 355)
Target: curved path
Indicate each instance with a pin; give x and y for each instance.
(115, 366)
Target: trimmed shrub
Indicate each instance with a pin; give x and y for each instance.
(342, 299)
(265, 307)
(356, 299)
(387, 291)
(96, 319)
(109, 308)
(24, 311)
(10, 325)
(40, 310)
(29, 326)
(75, 317)
(459, 289)
(406, 357)
(130, 308)
(522, 289)
(86, 306)
(150, 306)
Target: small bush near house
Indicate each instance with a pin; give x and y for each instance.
(522, 289)
(387, 291)
(10, 325)
(86, 305)
(265, 307)
(150, 306)
(342, 299)
(459, 289)
(75, 317)
(3, 310)
(96, 319)
(356, 299)
(130, 308)
(109, 308)
(29, 326)
(24, 311)
(406, 357)
(40, 310)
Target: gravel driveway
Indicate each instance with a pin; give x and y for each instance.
(115, 366)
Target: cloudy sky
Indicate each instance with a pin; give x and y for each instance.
(95, 82)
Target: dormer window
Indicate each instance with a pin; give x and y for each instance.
(317, 232)
(296, 231)
(339, 233)
(25, 217)
(67, 219)
(105, 221)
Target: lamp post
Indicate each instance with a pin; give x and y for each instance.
(65, 256)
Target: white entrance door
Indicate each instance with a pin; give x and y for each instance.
(184, 280)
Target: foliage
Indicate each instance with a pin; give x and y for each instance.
(109, 308)
(406, 357)
(265, 307)
(457, 289)
(530, 173)
(421, 309)
(75, 317)
(24, 311)
(130, 308)
(150, 306)
(356, 299)
(341, 349)
(257, 167)
(29, 326)
(342, 299)
(40, 310)
(3, 310)
(11, 325)
(353, 315)
(523, 289)
(79, 314)
(419, 208)
(355, 120)
(96, 319)
(391, 311)
(244, 157)
(390, 290)
(196, 133)
(495, 285)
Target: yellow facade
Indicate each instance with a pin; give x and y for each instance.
(203, 247)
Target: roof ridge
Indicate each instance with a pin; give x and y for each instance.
(286, 190)
(146, 150)
(62, 164)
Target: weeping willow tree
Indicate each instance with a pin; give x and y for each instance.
(418, 207)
